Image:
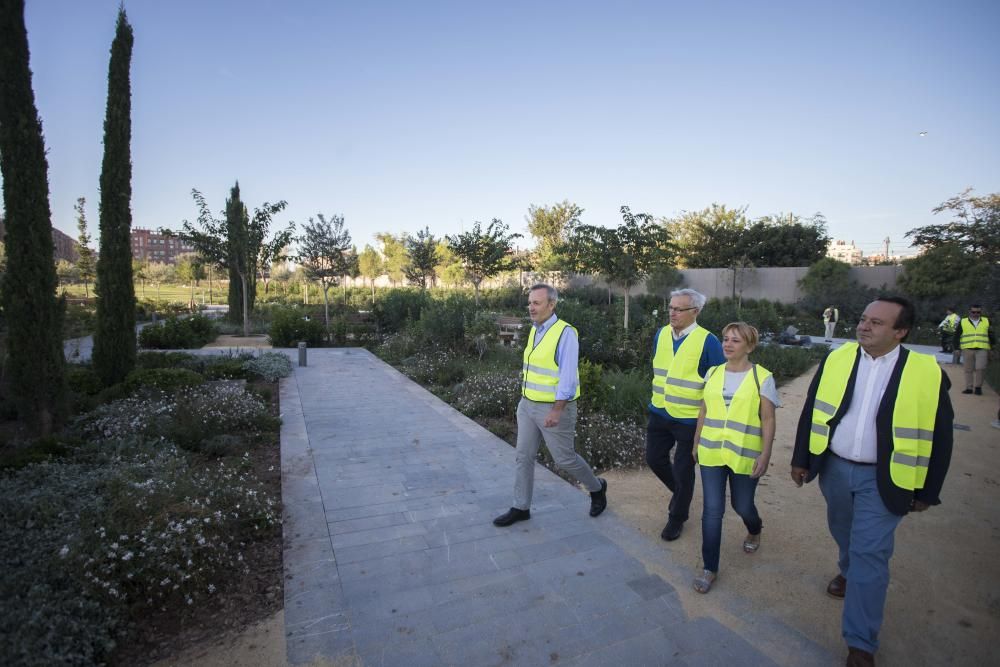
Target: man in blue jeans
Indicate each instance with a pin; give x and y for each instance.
(682, 355)
(876, 427)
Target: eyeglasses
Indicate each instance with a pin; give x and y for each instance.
(680, 310)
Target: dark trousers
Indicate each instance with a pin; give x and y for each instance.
(661, 436)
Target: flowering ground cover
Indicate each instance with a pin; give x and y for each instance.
(154, 523)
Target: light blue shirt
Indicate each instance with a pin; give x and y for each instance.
(567, 357)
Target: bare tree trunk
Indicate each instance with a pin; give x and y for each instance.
(246, 315)
(626, 310)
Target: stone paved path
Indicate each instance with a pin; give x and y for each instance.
(391, 557)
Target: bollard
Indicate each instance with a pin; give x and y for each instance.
(302, 353)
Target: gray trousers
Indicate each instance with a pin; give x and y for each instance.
(559, 440)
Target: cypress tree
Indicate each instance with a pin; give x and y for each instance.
(34, 315)
(114, 338)
(237, 233)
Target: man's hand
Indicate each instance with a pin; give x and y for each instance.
(918, 505)
(552, 419)
(799, 475)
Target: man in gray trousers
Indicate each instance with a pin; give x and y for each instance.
(550, 385)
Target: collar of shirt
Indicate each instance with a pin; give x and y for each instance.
(975, 322)
(889, 357)
(684, 332)
(540, 329)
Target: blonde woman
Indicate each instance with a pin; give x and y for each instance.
(734, 434)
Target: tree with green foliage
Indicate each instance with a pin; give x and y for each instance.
(449, 267)
(829, 282)
(325, 254)
(114, 333)
(782, 240)
(394, 257)
(189, 268)
(552, 226)
(423, 257)
(625, 255)
(975, 231)
(86, 263)
(34, 315)
(946, 271)
(139, 273)
(483, 253)
(160, 273)
(370, 266)
(706, 239)
(236, 242)
(662, 280)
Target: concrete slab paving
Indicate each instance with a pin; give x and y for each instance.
(391, 557)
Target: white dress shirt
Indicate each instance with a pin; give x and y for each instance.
(855, 438)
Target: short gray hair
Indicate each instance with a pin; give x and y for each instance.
(697, 298)
(553, 293)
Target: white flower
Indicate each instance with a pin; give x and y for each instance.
(64, 551)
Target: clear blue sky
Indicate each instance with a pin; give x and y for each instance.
(400, 115)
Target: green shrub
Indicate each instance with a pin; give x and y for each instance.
(489, 394)
(166, 360)
(164, 379)
(605, 442)
(289, 328)
(398, 346)
(442, 323)
(270, 366)
(114, 532)
(787, 363)
(226, 369)
(178, 334)
(398, 307)
(40, 450)
(627, 395)
(83, 380)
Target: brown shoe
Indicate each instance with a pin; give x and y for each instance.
(857, 657)
(837, 588)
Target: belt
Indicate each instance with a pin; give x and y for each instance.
(857, 463)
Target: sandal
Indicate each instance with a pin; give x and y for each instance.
(703, 583)
(751, 543)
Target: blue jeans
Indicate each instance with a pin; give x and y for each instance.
(864, 531)
(713, 489)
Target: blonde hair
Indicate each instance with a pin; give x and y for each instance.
(745, 331)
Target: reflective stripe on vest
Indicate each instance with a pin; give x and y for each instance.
(732, 436)
(675, 377)
(913, 416)
(539, 371)
(972, 337)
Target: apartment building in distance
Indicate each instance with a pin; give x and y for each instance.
(155, 247)
(844, 252)
(63, 245)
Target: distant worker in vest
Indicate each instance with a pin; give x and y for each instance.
(830, 317)
(876, 427)
(947, 328)
(734, 434)
(682, 354)
(550, 385)
(975, 339)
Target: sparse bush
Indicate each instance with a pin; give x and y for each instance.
(489, 394)
(605, 442)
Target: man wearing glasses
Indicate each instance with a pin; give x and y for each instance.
(682, 355)
(975, 339)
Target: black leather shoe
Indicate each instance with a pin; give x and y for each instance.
(837, 588)
(512, 516)
(978, 391)
(672, 530)
(599, 499)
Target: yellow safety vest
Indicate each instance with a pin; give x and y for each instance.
(973, 337)
(951, 323)
(732, 436)
(913, 414)
(539, 371)
(675, 378)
